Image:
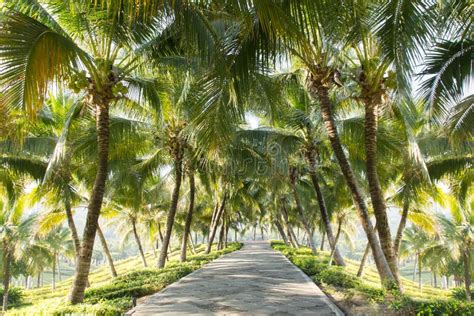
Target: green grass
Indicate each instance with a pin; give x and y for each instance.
(107, 296)
(355, 293)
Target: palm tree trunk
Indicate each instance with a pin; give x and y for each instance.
(401, 227)
(189, 216)
(38, 280)
(467, 273)
(221, 235)
(106, 250)
(363, 261)
(95, 204)
(299, 208)
(320, 90)
(281, 231)
(338, 234)
(178, 166)
(214, 225)
(6, 274)
(139, 244)
(375, 189)
(291, 234)
(54, 272)
(193, 243)
(321, 248)
(72, 227)
(311, 158)
(435, 280)
(419, 271)
(59, 268)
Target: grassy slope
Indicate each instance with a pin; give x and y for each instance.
(99, 276)
(372, 278)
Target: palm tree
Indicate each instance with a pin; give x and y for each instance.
(58, 242)
(15, 231)
(96, 64)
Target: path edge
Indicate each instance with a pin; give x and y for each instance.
(132, 311)
(325, 298)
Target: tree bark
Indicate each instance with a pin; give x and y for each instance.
(106, 250)
(419, 271)
(291, 234)
(221, 235)
(467, 273)
(299, 208)
(54, 272)
(320, 90)
(281, 231)
(72, 227)
(6, 274)
(137, 240)
(311, 158)
(189, 216)
(214, 225)
(95, 203)
(321, 248)
(414, 268)
(375, 189)
(59, 269)
(401, 227)
(178, 166)
(338, 234)
(363, 261)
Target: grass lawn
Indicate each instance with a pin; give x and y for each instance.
(47, 301)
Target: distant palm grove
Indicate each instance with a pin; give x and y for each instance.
(159, 128)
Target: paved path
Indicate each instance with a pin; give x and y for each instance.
(255, 280)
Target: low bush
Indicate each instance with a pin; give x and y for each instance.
(459, 293)
(15, 296)
(116, 297)
(340, 279)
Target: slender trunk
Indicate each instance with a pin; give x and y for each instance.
(54, 272)
(419, 271)
(414, 268)
(59, 269)
(38, 280)
(214, 225)
(467, 272)
(221, 234)
(6, 274)
(320, 90)
(261, 232)
(106, 250)
(311, 158)
(178, 166)
(375, 189)
(255, 232)
(322, 241)
(72, 227)
(160, 234)
(227, 227)
(401, 227)
(189, 216)
(435, 280)
(301, 214)
(281, 231)
(291, 234)
(139, 244)
(338, 234)
(360, 273)
(192, 242)
(95, 204)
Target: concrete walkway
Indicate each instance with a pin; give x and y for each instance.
(255, 280)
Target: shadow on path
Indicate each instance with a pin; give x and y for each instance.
(255, 280)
